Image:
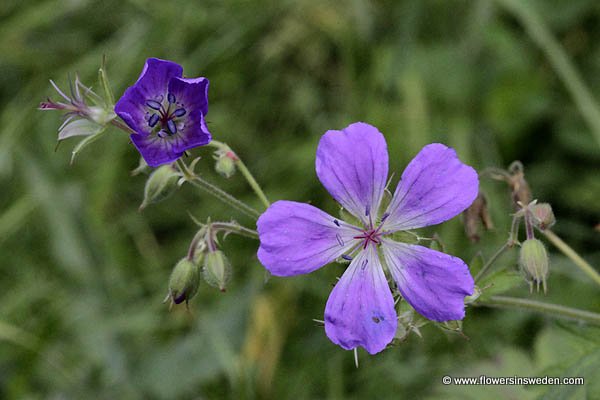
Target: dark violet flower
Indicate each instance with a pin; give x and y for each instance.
(166, 111)
(352, 164)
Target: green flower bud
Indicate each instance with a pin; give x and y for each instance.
(543, 217)
(217, 270)
(225, 164)
(533, 261)
(161, 183)
(101, 115)
(184, 281)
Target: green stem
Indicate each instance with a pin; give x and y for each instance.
(490, 262)
(572, 254)
(215, 191)
(233, 227)
(541, 35)
(554, 310)
(244, 170)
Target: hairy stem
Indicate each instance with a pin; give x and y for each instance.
(554, 310)
(484, 270)
(213, 190)
(234, 227)
(583, 265)
(244, 170)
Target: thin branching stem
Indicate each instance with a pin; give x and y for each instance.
(215, 191)
(583, 265)
(484, 270)
(244, 171)
(554, 310)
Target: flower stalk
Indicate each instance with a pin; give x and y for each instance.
(554, 310)
(245, 171)
(220, 194)
(583, 265)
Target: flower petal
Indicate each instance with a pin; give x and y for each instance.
(131, 108)
(434, 283)
(352, 164)
(152, 84)
(192, 93)
(155, 77)
(193, 133)
(297, 238)
(360, 310)
(155, 150)
(435, 187)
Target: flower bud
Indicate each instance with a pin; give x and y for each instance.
(101, 115)
(225, 164)
(533, 261)
(217, 270)
(184, 281)
(543, 217)
(161, 183)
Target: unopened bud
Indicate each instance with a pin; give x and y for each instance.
(533, 261)
(184, 281)
(225, 164)
(543, 217)
(161, 183)
(101, 115)
(477, 212)
(217, 270)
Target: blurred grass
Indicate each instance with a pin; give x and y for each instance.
(84, 273)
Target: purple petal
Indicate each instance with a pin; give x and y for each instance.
(156, 150)
(352, 164)
(297, 238)
(192, 133)
(192, 94)
(155, 77)
(434, 283)
(152, 85)
(435, 187)
(131, 107)
(360, 310)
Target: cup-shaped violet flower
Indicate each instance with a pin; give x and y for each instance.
(165, 111)
(352, 164)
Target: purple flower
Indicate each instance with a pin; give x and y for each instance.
(352, 164)
(166, 112)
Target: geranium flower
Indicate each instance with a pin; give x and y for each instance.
(166, 112)
(352, 164)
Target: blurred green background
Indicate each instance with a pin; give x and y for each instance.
(83, 273)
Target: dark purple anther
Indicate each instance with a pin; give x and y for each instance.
(171, 98)
(172, 127)
(364, 264)
(368, 210)
(347, 258)
(180, 112)
(339, 239)
(335, 221)
(384, 216)
(153, 104)
(153, 120)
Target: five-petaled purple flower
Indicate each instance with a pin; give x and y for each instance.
(166, 111)
(352, 164)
